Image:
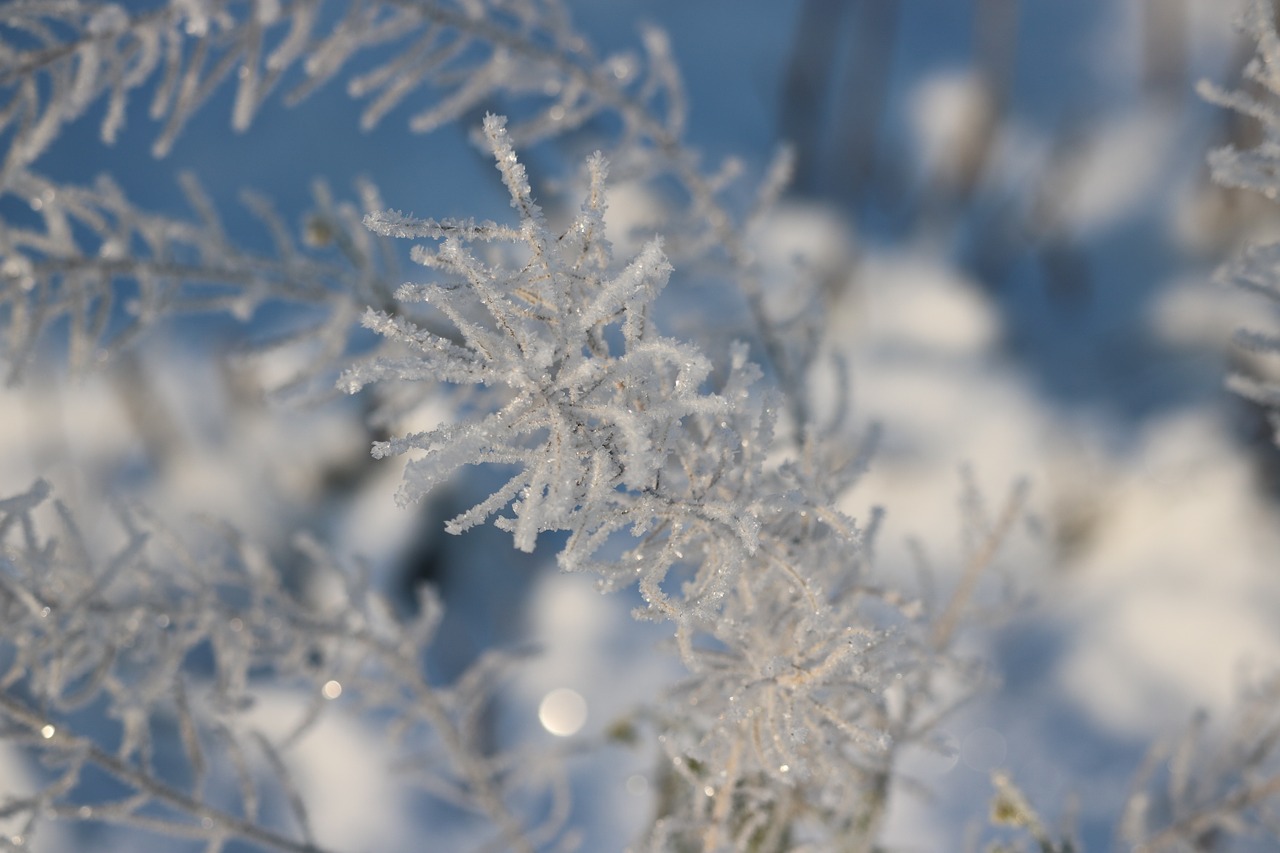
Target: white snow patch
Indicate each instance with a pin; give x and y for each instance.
(635, 213)
(920, 341)
(1123, 165)
(342, 770)
(589, 644)
(1173, 595)
(949, 114)
(797, 242)
(911, 302)
(1193, 313)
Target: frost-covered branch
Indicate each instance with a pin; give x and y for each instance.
(1207, 784)
(1256, 169)
(125, 634)
(90, 257)
(61, 58)
(663, 480)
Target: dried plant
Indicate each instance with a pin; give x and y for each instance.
(692, 470)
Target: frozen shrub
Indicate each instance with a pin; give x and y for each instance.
(689, 469)
(690, 473)
(1254, 169)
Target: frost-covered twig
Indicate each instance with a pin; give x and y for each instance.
(62, 57)
(71, 55)
(616, 435)
(1204, 784)
(113, 271)
(119, 634)
(1256, 169)
(1229, 784)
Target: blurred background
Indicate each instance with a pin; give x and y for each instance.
(1009, 205)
